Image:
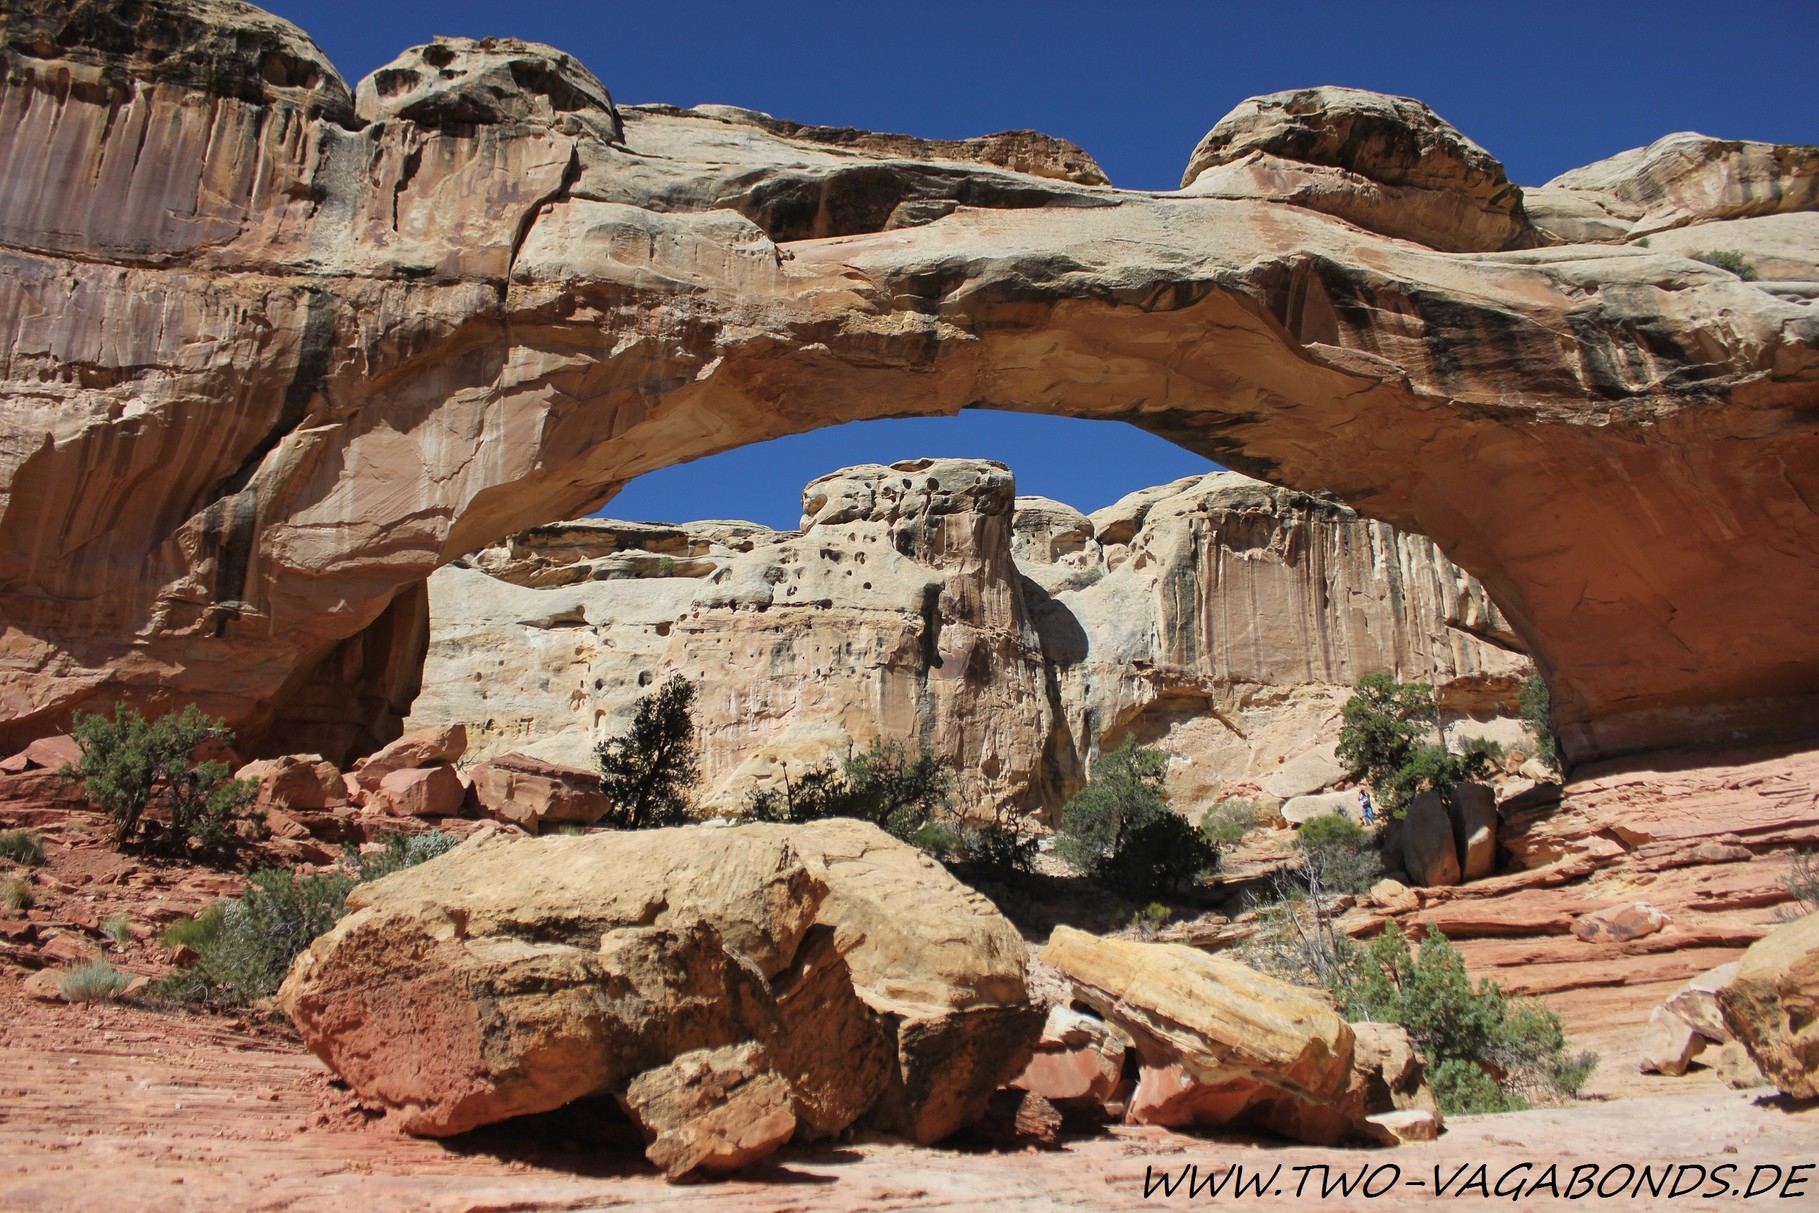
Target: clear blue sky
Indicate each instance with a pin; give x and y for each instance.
(1543, 86)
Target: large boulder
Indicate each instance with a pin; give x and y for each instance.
(1388, 164)
(1429, 853)
(1078, 1064)
(514, 975)
(1772, 1006)
(295, 781)
(942, 967)
(1687, 178)
(419, 792)
(1219, 1043)
(467, 82)
(425, 747)
(530, 792)
(1472, 810)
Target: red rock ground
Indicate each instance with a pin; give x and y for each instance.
(124, 1107)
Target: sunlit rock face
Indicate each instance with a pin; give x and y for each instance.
(1218, 617)
(273, 349)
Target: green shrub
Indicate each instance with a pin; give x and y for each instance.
(195, 932)
(1383, 741)
(666, 566)
(1537, 707)
(1486, 1051)
(397, 852)
(17, 895)
(119, 928)
(128, 765)
(1120, 830)
(1151, 918)
(245, 946)
(23, 847)
(1730, 260)
(1337, 854)
(96, 981)
(905, 795)
(648, 771)
(1228, 821)
(1803, 880)
(1002, 848)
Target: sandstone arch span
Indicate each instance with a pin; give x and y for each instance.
(273, 349)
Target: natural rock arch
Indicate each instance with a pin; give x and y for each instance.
(272, 354)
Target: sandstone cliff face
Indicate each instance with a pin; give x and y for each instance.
(1218, 617)
(269, 356)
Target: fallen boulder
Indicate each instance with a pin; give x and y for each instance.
(529, 792)
(420, 748)
(1771, 1005)
(419, 792)
(1472, 811)
(295, 781)
(1619, 924)
(1219, 1043)
(1697, 1004)
(942, 967)
(1429, 853)
(1669, 1044)
(1078, 1064)
(515, 975)
(46, 753)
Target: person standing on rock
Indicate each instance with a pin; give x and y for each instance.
(1365, 808)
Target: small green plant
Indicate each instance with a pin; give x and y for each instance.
(1730, 260)
(648, 771)
(1537, 707)
(1384, 739)
(194, 933)
(1001, 848)
(128, 765)
(245, 946)
(17, 895)
(23, 847)
(1337, 854)
(1151, 918)
(397, 852)
(119, 928)
(666, 566)
(1228, 821)
(96, 981)
(1120, 830)
(1486, 1051)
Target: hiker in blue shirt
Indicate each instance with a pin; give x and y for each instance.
(1365, 807)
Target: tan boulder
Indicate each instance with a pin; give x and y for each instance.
(1409, 1124)
(426, 747)
(1771, 1005)
(530, 792)
(1620, 923)
(1472, 810)
(1697, 1004)
(1220, 1043)
(1392, 1073)
(419, 792)
(1429, 852)
(1734, 1066)
(711, 1110)
(1669, 1044)
(296, 781)
(1686, 178)
(828, 1044)
(937, 961)
(1395, 897)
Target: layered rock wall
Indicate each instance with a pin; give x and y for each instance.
(1218, 617)
(269, 356)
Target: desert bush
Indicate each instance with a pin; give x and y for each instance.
(1731, 260)
(23, 847)
(1803, 880)
(1120, 830)
(1002, 848)
(649, 771)
(16, 895)
(1337, 854)
(96, 981)
(245, 946)
(119, 928)
(1151, 918)
(904, 794)
(1536, 705)
(397, 852)
(1229, 820)
(666, 566)
(1383, 739)
(1486, 1051)
(128, 765)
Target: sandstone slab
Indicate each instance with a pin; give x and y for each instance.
(711, 1110)
(1620, 923)
(296, 781)
(426, 747)
(1669, 1044)
(419, 792)
(529, 792)
(1472, 809)
(1430, 854)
